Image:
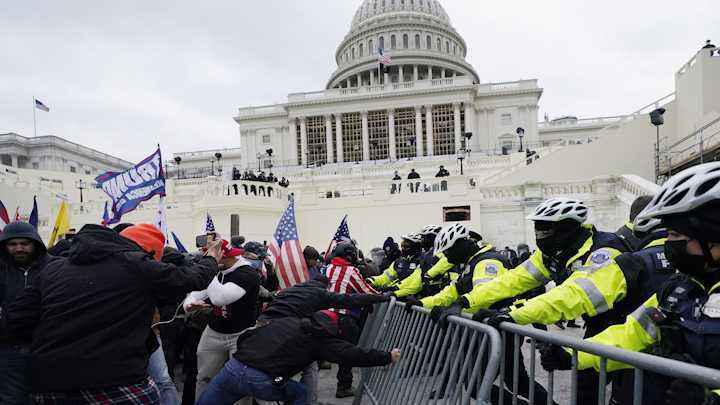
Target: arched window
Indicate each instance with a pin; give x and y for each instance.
(417, 41)
(381, 43)
(393, 43)
(447, 47)
(360, 48)
(439, 45)
(352, 52)
(428, 42)
(454, 49)
(371, 50)
(405, 41)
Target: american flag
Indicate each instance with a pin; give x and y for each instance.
(209, 225)
(41, 106)
(341, 235)
(286, 252)
(383, 59)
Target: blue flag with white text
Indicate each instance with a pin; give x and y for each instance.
(133, 186)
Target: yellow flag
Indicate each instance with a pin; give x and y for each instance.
(62, 224)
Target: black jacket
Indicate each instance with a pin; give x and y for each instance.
(285, 346)
(13, 278)
(89, 314)
(303, 300)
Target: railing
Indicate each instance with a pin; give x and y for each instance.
(505, 86)
(254, 189)
(65, 144)
(262, 110)
(692, 147)
(601, 121)
(641, 362)
(451, 365)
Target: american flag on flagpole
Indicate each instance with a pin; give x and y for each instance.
(341, 235)
(286, 252)
(383, 59)
(209, 224)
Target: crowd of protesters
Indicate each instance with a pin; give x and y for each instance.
(79, 324)
(249, 175)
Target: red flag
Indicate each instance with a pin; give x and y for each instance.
(4, 214)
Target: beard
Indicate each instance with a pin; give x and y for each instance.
(22, 259)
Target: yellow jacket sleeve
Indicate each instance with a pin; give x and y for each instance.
(591, 290)
(440, 268)
(411, 285)
(530, 274)
(386, 279)
(637, 333)
(445, 297)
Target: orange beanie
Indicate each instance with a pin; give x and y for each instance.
(148, 237)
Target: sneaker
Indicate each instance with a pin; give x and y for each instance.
(344, 392)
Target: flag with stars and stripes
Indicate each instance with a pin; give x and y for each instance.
(209, 224)
(341, 235)
(286, 251)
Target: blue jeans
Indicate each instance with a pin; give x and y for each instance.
(14, 376)
(236, 381)
(158, 370)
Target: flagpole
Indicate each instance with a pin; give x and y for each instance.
(34, 118)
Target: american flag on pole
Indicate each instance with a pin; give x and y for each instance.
(383, 59)
(209, 225)
(341, 235)
(41, 106)
(286, 252)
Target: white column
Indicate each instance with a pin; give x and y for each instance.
(429, 69)
(458, 128)
(338, 144)
(489, 116)
(442, 73)
(401, 70)
(303, 141)
(428, 125)
(372, 77)
(470, 124)
(391, 134)
(418, 131)
(365, 136)
(328, 138)
(348, 84)
(386, 78)
(359, 80)
(415, 73)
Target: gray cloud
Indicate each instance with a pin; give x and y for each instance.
(123, 76)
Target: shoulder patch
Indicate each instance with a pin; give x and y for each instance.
(600, 257)
(491, 269)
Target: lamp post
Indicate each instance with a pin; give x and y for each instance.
(656, 118)
(218, 156)
(461, 157)
(520, 133)
(177, 160)
(81, 185)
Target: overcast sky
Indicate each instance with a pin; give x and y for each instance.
(122, 76)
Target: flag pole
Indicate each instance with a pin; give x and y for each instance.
(34, 118)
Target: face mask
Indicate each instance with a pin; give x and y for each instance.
(676, 253)
(554, 242)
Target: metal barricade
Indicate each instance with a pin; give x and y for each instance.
(643, 363)
(446, 366)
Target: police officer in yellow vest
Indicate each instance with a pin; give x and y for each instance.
(403, 267)
(435, 270)
(682, 320)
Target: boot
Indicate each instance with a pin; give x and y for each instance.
(324, 365)
(344, 392)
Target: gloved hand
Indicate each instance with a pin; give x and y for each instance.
(554, 357)
(682, 392)
(410, 302)
(493, 317)
(440, 314)
(388, 289)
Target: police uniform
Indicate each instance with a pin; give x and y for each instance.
(434, 273)
(399, 270)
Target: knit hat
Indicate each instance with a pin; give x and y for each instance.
(148, 237)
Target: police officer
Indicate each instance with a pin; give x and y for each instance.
(603, 292)
(481, 263)
(682, 320)
(435, 270)
(627, 232)
(400, 269)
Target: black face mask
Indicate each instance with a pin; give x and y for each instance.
(676, 253)
(553, 239)
(412, 249)
(461, 251)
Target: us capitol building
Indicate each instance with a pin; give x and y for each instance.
(340, 146)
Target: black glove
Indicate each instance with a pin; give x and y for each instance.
(411, 302)
(682, 392)
(554, 357)
(441, 314)
(493, 317)
(388, 289)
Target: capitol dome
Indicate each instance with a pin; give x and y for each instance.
(416, 34)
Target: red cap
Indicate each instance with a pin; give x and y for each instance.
(229, 250)
(148, 237)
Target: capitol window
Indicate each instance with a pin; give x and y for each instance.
(439, 44)
(266, 139)
(447, 47)
(405, 41)
(353, 53)
(381, 43)
(428, 43)
(417, 41)
(392, 42)
(361, 50)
